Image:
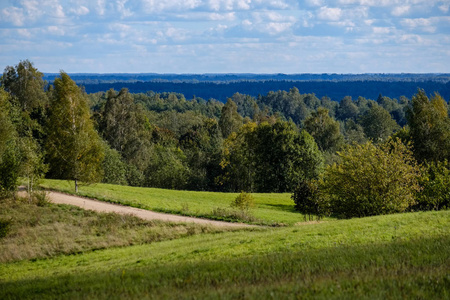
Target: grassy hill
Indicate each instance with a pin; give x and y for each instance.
(270, 209)
(384, 257)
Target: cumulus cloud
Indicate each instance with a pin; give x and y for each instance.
(151, 6)
(80, 10)
(329, 13)
(13, 15)
(423, 24)
(401, 10)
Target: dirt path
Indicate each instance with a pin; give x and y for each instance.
(101, 206)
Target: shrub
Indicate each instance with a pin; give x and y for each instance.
(5, 226)
(435, 182)
(244, 201)
(372, 180)
(308, 200)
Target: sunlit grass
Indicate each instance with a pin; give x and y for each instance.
(395, 256)
(271, 208)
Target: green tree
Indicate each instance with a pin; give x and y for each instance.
(9, 150)
(269, 157)
(230, 120)
(29, 101)
(429, 127)
(74, 149)
(238, 161)
(347, 109)
(372, 180)
(378, 124)
(283, 156)
(324, 129)
(114, 169)
(126, 128)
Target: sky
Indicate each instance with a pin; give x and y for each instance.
(227, 36)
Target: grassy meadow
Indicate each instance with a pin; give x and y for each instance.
(269, 209)
(395, 256)
(58, 251)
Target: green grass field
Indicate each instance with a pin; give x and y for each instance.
(395, 256)
(270, 209)
(384, 257)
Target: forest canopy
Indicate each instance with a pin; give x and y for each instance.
(280, 141)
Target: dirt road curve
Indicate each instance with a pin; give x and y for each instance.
(100, 206)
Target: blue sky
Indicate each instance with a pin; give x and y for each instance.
(223, 36)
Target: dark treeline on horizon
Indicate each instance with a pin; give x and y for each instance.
(334, 90)
(222, 86)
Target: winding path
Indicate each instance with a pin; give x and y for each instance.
(100, 206)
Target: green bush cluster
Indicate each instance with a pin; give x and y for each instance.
(369, 180)
(244, 201)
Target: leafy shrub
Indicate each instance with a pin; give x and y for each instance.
(233, 215)
(372, 180)
(308, 200)
(5, 226)
(244, 201)
(435, 182)
(40, 198)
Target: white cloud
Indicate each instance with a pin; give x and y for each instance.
(13, 15)
(55, 30)
(314, 2)
(100, 7)
(329, 14)
(401, 10)
(80, 10)
(124, 12)
(381, 30)
(426, 25)
(24, 32)
(444, 7)
(152, 6)
(276, 28)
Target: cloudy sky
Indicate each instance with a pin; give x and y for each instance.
(222, 36)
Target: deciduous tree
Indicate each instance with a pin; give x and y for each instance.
(73, 146)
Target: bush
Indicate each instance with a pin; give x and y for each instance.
(243, 202)
(5, 226)
(435, 182)
(372, 180)
(308, 200)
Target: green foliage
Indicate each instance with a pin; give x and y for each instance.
(244, 201)
(429, 126)
(9, 169)
(230, 120)
(73, 146)
(378, 124)
(126, 128)
(114, 169)
(167, 168)
(436, 187)
(5, 227)
(308, 200)
(269, 157)
(324, 129)
(372, 180)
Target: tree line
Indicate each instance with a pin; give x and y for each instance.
(283, 141)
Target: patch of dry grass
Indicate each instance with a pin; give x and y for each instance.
(36, 232)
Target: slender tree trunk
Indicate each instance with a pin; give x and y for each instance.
(76, 186)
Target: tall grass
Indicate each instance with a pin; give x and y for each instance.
(395, 256)
(45, 231)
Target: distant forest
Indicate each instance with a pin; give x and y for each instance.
(223, 86)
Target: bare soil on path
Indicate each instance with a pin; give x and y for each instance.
(100, 206)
